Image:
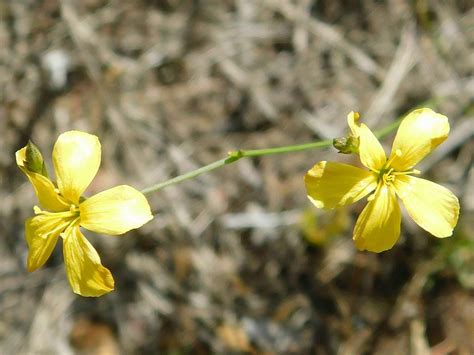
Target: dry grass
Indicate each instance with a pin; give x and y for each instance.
(169, 85)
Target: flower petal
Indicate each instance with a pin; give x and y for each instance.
(42, 234)
(85, 273)
(115, 211)
(76, 157)
(371, 152)
(331, 184)
(433, 207)
(378, 226)
(48, 198)
(420, 132)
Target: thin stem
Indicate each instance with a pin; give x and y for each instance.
(251, 153)
(386, 130)
(189, 175)
(285, 149)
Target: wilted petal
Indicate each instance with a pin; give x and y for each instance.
(76, 157)
(332, 185)
(433, 207)
(378, 226)
(115, 211)
(420, 132)
(44, 188)
(85, 273)
(371, 152)
(42, 234)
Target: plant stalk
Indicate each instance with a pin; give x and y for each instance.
(236, 155)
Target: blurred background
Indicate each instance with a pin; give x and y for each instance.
(238, 260)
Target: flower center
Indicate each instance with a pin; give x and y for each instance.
(62, 220)
(387, 174)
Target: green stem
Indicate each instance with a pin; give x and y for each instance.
(239, 154)
(190, 175)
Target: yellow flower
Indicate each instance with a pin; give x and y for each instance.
(433, 207)
(76, 158)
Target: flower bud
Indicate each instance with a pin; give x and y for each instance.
(34, 160)
(346, 145)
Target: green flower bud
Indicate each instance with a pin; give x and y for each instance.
(34, 160)
(346, 145)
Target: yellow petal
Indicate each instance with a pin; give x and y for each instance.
(76, 157)
(44, 188)
(378, 226)
(115, 211)
(433, 207)
(85, 273)
(371, 152)
(420, 132)
(42, 234)
(353, 122)
(331, 184)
